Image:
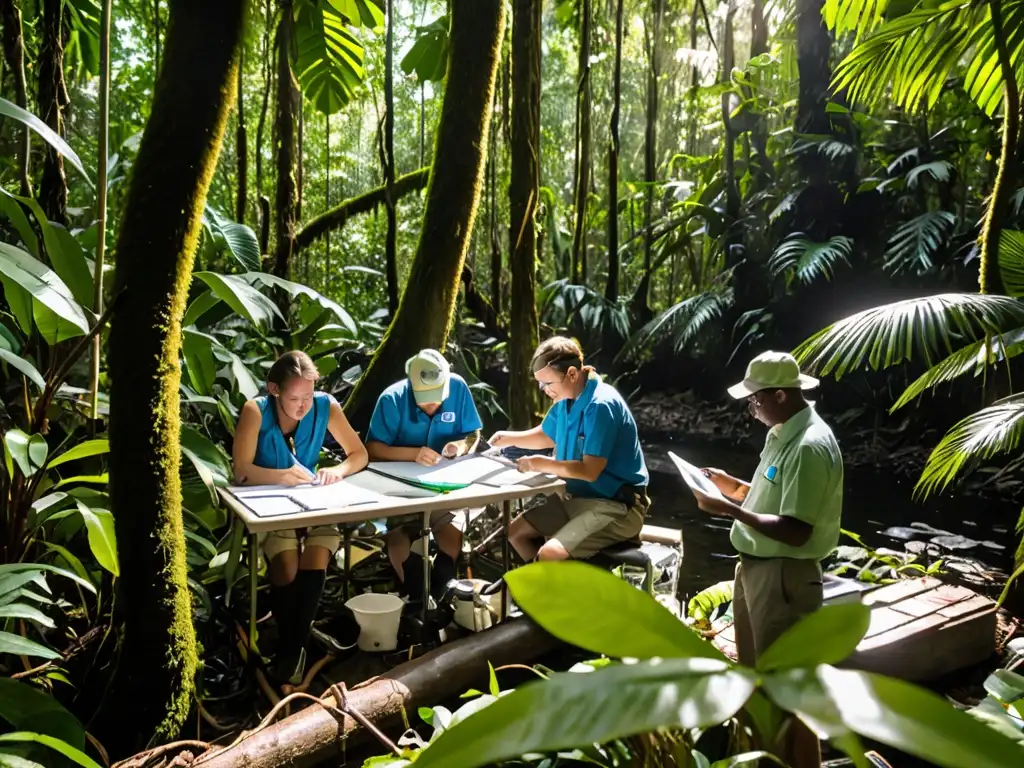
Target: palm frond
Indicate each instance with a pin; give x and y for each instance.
(858, 16)
(916, 53)
(808, 259)
(925, 328)
(914, 245)
(937, 169)
(682, 322)
(1011, 261)
(976, 358)
(982, 435)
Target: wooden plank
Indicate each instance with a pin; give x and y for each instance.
(659, 535)
(894, 593)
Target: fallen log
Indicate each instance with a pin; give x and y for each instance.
(318, 733)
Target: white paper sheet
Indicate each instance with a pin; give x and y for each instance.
(272, 505)
(694, 478)
(267, 500)
(464, 470)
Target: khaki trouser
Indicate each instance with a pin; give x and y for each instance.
(585, 526)
(325, 536)
(770, 596)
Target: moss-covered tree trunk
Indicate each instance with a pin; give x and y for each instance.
(640, 301)
(584, 108)
(387, 159)
(524, 190)
(813, 47)
(267, 67)
(285, 143)
(14, 58)
(241, 152)
(53, 98)
(611, 289)
(453, 194)
(153, 684)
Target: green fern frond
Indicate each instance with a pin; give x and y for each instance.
(976, 358)
(682, 322)
(915, 243)
(924, 328)
(937, 169)
(808, 259)
(993, 430)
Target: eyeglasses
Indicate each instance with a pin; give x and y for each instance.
(545, 385)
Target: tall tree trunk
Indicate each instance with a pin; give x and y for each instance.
(299, 166)
(813, 46)
(584, 94)
(425, 314)
(989, 278)
(157, 651)
(157, 35)
(694, 90)
(327, 196)
(268, 72)
(524, 191)
(284, 138)
(14, 57)
(611, 289)
(53, 98)
(241, 149)
(641, 300)
(732, 191)
(496, 249)
(388, 161)
(759, 132)
(102, 152)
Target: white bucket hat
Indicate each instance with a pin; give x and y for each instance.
(772, 370)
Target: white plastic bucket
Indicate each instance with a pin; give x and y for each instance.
(378, 617)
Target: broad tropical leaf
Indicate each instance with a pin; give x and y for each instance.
(28, 451)
(982, 435)
(914, 244)
(329, 63)
(99, 524)
(976, 358)
(572, 709)
(39, 297)
(64, 748)
(827, 636)
(428, 56)
(24, 366)
(810, 260)
(238, 239)
(297, 289)
(27, 708)
(9, 109)
(20, 646)
(360, 13)
(682, 322)
(1011, 261)
(927, 328)
(84, 38)
(82, 450)
(242, 297)
(860, 16)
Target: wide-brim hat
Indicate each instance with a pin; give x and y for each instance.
(772, 370)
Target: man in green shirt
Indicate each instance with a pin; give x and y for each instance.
(785, 520)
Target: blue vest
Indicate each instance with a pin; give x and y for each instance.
(272, 451)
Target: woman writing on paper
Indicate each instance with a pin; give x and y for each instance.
(596, 451)
(277, 442)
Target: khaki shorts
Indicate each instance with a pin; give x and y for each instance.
(438, 519)
(325, 536)
(585, 526)
(770, 596)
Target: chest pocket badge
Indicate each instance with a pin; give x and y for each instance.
(771, 473)
(448, 417)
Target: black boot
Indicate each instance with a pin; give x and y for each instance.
(443, 571)
(412, 584)
(283, 604)
(310, 588)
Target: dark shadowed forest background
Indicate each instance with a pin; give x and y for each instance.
(188, 188)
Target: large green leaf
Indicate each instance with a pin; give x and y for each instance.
(39, 296)
(29, 709)
(13, 210)
(20, 646)
(297, 289)
(360, 13)
(207, 452)
(1011, 261)
(242, 298)
(56, 744)
(238, 239)
(428, 56)
(99, 524)
(15, 761)
(330, 59)
(203, 302)
(83, 450)
(84, 39)
(588, 607)
(197, 349)
(64, 252)
(44, 567)
(914, 244)
(573, 709)
(810, 260)
(27, 612)
(927, 328)
(24, 366)
(986, 433)
(28, 451)
(916, 721)
(827, 636)
(8, 109)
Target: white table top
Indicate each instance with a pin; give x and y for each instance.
(389, 505)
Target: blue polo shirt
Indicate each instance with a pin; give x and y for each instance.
(397, 420)
(597, 423)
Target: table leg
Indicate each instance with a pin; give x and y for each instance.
(506, 520)
(253, 588)
(347, 538)
(425, 541)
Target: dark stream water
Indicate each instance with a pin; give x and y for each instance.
(873, 503)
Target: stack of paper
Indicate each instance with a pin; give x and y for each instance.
(694, 478)
(449, 474)
(275, 500)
